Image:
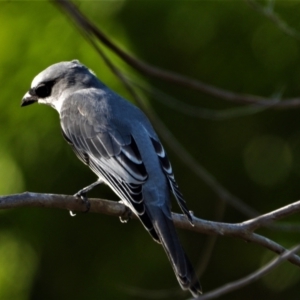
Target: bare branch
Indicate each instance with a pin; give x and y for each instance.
(67, 202)
(195, 111)
(89, 28)
(268, 11)
(229, 287)
(233, 230)
(268, 218)
(238, 230)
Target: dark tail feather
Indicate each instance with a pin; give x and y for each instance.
(182, 267)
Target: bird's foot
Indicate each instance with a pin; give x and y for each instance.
(82, 194)
(126, 216)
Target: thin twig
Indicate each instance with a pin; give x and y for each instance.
(172, 77)
(268, 218)
(195, 111)
(268, 11)
(229, 287)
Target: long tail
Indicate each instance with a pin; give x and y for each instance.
(165, 229)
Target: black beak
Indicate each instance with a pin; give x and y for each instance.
(28, 99)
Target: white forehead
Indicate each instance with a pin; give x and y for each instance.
(37, 80)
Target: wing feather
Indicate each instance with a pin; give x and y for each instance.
(167, 168)
(111, 154)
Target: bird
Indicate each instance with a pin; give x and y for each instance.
(116, 140)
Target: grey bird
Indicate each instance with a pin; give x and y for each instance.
(116, 140)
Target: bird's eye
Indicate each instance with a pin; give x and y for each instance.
(43, 90)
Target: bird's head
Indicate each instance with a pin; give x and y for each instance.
(49, 86)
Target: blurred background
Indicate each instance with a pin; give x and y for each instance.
(253, 152)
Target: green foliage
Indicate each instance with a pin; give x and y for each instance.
(49, 255)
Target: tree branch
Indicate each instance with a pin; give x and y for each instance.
(152, 71)
(268, 11)
(67, 202)
(194, 110)
(229, 287)
(268, 218)
(242, 231)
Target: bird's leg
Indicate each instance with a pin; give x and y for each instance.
(126, 216)
(88, 188)
(82, 194)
